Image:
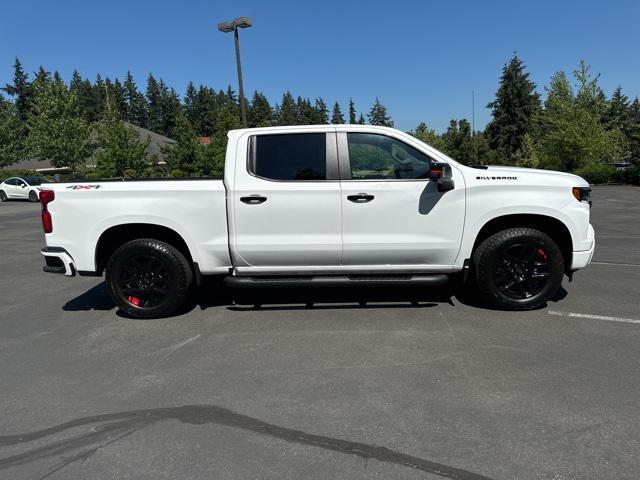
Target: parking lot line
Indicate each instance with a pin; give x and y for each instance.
(594, 317)
(617, 264)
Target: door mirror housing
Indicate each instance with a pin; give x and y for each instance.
(446, 184)
(441, 174)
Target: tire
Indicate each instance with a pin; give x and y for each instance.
(3, 196)
(518, 269)
(148, 278)
(33, 196)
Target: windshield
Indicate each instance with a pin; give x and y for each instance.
(34, 180)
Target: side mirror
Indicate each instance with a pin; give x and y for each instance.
(23, 186)
(441, 174)
(446, 184)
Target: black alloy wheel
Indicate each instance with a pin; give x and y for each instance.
(144, 281)
(148, 278)
(517, 269)
(522, 270)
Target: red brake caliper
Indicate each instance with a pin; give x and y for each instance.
(542, 254)
(133, 300)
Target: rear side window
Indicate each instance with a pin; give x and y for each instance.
(300, 156)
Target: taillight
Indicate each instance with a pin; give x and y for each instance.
(46, 197)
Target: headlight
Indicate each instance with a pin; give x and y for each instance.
(582, 194)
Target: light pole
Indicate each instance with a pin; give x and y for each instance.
(226, 27)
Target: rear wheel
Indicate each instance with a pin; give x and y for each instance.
(148, 278)
(518, 269)
(33, 196)
(3, 196)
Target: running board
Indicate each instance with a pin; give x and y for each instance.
(435, 280)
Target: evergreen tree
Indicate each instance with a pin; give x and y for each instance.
(190, 103)
(259, 113)
(117, 97)
(429, 136)
(42, 76)
(352, 112)
(336, 115)
(378, 115)
(228, 119)
(513, 110)
(288, 112)
(56, 129)
(206, 111)
(11, 144)
(185, 157)
(154, 103)
(633, 132)
(171, 109)
(321, 116)
(307, 114)
(21, 90)
(361, 120)
(136, 103)
(120, 152)
(617, 113)
(458, 141)
(83, 90)
(99, 99)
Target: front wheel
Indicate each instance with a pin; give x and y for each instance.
(518, 269)
(148, 278)
(3, 196)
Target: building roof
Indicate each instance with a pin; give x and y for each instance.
(158, 142)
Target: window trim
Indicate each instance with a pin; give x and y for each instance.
(331, 157)
(345, 162)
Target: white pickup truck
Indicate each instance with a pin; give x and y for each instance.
(325, 205)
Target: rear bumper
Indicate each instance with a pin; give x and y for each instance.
(58, 260)
(582, 258)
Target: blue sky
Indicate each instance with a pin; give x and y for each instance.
(421, 58)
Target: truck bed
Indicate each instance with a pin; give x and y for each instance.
(194, 209)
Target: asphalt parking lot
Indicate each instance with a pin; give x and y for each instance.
(394, 384)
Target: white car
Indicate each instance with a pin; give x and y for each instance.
(21, 187)
(326, 205)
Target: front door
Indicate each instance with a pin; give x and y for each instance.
(21, 189)
(392, 214)
(286, 202)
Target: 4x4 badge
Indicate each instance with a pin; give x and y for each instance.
(83, 187)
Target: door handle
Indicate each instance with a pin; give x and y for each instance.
(360, 198)
(253, 199)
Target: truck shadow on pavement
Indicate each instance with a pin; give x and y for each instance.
(213, 294)
(79, 439)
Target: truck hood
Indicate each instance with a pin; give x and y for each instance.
(524, 173)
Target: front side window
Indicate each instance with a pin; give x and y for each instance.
(374, 157)
(299, 156)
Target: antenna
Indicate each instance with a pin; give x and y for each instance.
(473, 126)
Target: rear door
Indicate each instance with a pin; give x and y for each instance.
(286, 202)
(393, 215)
(11, 188)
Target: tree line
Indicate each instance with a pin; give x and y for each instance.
(577, 128)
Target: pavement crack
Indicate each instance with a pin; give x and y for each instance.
(115, 426)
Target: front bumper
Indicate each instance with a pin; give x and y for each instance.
(582, 258)
(58, 260)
